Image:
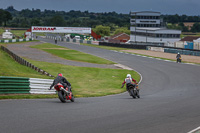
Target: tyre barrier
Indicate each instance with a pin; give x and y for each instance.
(21, 85)
(15, 40)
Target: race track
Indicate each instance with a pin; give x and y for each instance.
(169, 103)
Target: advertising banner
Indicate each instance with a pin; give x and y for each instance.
(81, 30)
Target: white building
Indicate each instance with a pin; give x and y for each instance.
(7, 35)
(148, 27)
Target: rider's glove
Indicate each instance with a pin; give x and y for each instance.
(122, 86)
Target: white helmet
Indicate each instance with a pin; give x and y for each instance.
(128, 76)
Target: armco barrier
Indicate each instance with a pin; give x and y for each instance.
(123, 45)
(16, 85)
(177, 50)
(183, 52)
(9, 85)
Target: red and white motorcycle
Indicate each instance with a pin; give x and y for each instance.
(63, 94)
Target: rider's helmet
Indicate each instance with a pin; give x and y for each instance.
(60, 74)
(178, 53)
(128, 76)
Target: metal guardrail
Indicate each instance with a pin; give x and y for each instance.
(24, 62)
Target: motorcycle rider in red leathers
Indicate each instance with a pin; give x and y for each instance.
(62, 80)
(129, 80)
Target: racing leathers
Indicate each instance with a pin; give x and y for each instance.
(63, 81)
(128, 81)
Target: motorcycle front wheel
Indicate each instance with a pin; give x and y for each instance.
(72, 100)
(61, 96)
(132, 93)
(138, 94)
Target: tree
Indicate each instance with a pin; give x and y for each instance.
(57, 21)
(183, 27)
(1, 16)
(35, 22)
(7, 17)
(122, 30)
(102, 30)
(196, 27)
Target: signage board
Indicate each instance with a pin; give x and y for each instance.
(82, 30)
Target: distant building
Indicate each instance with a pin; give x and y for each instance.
(189, 38)
(119, 38)
(148, 27)
(7, 35)
(189, 42)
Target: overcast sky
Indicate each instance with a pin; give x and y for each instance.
(188, 7)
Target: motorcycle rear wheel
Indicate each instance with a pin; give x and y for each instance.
(61, 96)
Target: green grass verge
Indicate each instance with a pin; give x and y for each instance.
(105, 47)
(9, 67)
(89, 82)
(19, 33)
(69, 54)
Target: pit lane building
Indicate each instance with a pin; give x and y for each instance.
(148, 27)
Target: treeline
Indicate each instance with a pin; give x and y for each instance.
(174, 19)
(35, 17)
(177, 22)
(5, 16)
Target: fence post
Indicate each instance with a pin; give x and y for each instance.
(24, 62)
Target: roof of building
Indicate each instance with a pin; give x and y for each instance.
(155, 29)
(189, 38)
(145, 12)
(117, 35)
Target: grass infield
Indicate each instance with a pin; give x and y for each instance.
(69, 54)
(86, 82)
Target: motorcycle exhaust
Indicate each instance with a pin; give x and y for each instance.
(65, 91)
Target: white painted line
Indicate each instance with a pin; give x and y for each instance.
(160, 59)
(169, 61)
(123, 67)
(128, 68)
(195, 130)
(43, 41)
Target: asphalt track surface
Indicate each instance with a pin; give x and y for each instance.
(169, 103)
